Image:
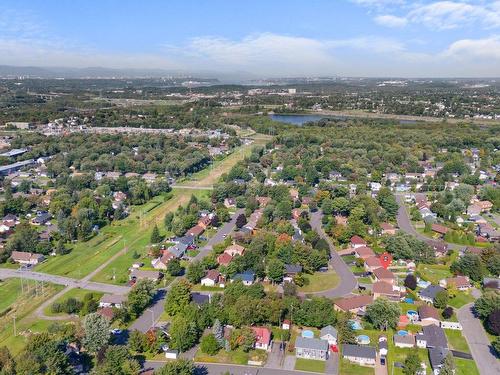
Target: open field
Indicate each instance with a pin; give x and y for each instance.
(21, 311)
(10, 289)
(79, 294)
(320, 281)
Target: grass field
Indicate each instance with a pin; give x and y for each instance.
(10, 289)
(456, 340)
(320, 281)
(462, 298)
(465, 367)
(348, 368)
(22, 308)
(311, 365)
(434, 272)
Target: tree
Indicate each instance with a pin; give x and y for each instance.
(218, 332)
(412, 364)
(410, 281)
(344, 329)
(469, 265)
(243, 338)
(447, 312)
(275, 270)
(7, 362)
(183, 333)
(241, 220)
(137, 341)
(155, 235)
(494, 321)
(327, 206)
(383, 314)
(289, 289)
(174, 267)
(195, 272)
(117, 361)
(177, 367)
(209, 344)
(140, 297)
(96, 332)
(441, 299)
(496, 345)
(448, 367)
(178, 297)
(488, 302)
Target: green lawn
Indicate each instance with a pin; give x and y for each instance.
(311, 365)
(320, 281)
(462, 298)
(10, 289)
(73, 293)
(466, 367)
(434, 272)
(348, 368)
(456, 340)
(237, 357)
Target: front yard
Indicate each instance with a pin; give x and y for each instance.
(320, 281)
(238, 357)
(311, 365)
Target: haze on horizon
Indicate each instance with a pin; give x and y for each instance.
(265, 38)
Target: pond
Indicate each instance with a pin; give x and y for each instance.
(299, 120)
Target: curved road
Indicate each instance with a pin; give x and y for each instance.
(348, 281)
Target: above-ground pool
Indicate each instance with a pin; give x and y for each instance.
(363, 340)
(412, 314)
(402, 333)
(308, 334)
(423, 284)
(355, 325)
(409, 300)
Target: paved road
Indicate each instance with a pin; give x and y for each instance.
(218, 369)
(479, 344)
(220, 236)
(73, 283)
(405, 224)
(151, 315)
(348, 281)
(192, 187)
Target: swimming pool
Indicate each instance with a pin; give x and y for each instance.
(355, 325)
(363, 340)
(402, 332)
(308, 334)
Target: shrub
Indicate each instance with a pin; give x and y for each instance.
(448, 312)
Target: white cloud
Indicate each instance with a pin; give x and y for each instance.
(391, 21)
(486, 49)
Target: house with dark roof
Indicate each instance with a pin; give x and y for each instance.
(428, 294)
(491, 283)
(329, 334)
(41, 218)
(362, 355)
(311, 348)
(112, 300)
(436, 358)
(247, 277)
(404, 341)
(291, 270)
(432, 336)
(200, 298)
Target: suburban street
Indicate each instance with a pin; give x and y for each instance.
(347, 282)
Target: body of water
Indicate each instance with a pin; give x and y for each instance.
(300, 120)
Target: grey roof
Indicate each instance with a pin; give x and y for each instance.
(311, 343)
(382, 344)
(178, 250)
(42, 218)
(245, 276)
(113, 298)
(406, 339)
(199, 298)
(431, 291)
(490, 282)
(437, 356)
(15, 166)
(293, 268)
(434, 336)
(328, 330)
(187, 240)
(349, 350)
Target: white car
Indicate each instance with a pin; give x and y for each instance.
(116, 331)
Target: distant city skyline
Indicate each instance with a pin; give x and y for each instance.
(273, 38)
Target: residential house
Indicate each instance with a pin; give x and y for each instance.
(436, 358)
(263, 201)
(363, 252)
(149, 177)
(428, 315)
(291, 270)
(440, 247)
(383, 348)
(357, 241)
(432, 336)
(381, 274)
(112, 300)
(200, 299)
(247, 277)
(329, 334)
(355, 304)
(23, 257)
(362, 355)
(230, 202)
(311, 348)
(372, 263)
(460, 282)
(491, 283)
(404, 341)
(440, 229)
(234, 250)
(387, 290)
(178, 250)
(196, 231)
(211, 278)
(428, 294)
(387, 229)
(161, 263)
(262, 337)
(487, 231)
(426, 213)
(224, 259)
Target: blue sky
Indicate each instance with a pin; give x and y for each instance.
(265, 37)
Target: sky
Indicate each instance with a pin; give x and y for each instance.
(267, 38)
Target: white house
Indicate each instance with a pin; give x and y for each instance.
(329, 334)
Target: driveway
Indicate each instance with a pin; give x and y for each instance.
(478, 342)
(347, 281)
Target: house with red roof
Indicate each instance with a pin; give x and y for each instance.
(440, 229)
(224, 259)
(387, 229)
(372, 263)
(381, 274)
(357, 241)
(262, 337)
(364, 252)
